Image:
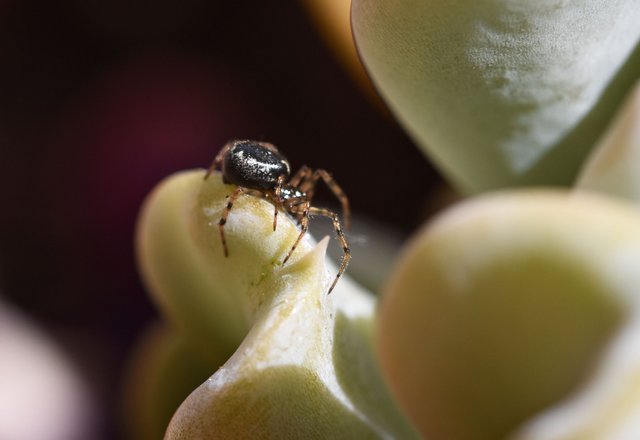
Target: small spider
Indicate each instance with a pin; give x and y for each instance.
(259, 169)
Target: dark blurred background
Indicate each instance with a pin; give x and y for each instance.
(101, 100)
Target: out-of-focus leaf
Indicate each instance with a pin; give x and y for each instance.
(509, 303)
(164, 370)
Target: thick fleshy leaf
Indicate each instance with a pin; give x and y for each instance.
(509, 303)
(501, 92)
(204, 295)
(608, 405)
(305, 368)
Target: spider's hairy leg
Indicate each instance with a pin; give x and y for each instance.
(309, 187)
(339, 193)
(301, 175)
(346, 256)
(218, 159)
(277, 200)
(304, 226)
(223, 220)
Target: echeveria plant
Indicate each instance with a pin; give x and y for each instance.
(512, 315)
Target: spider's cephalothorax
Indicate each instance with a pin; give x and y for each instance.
(259, 169)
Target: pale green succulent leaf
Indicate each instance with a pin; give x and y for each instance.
(302, 364)
(501, 92)
(509, 304)
(205, 295)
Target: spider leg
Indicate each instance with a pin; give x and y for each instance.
(295, 207)
(303, 173)
(218, 159)
(223, 220)
(277, 202)
(310, 186)
(304, 226)
(343, 241)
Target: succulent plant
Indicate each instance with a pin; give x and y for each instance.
(513, 314)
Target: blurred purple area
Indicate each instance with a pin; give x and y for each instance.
(101, 100)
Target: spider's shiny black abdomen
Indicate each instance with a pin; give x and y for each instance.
(253, 165)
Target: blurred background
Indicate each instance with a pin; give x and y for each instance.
(101, 100)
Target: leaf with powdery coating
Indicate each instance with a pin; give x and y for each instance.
(501, 92)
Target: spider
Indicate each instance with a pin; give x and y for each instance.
(259, 169)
